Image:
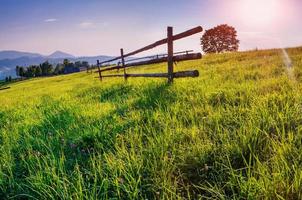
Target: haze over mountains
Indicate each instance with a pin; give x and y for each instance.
(60, 54)
(10, 59)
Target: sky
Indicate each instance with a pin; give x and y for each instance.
(99, 27)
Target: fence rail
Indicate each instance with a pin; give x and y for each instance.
(170, 58)
(158, 56)
(154, 61)
(180, 74)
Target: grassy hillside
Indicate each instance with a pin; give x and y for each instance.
(233, 133)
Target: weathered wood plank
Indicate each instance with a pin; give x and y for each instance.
(178, 58)
(188, 33)
(192, 56)
(99, 70)
(180, 74)
(170, 54)
(158, 56)
(123, 63)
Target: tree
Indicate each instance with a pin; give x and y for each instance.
(220, 39)
(70, 67)
(30, 71)
(59, 69)
(78, 64)
(17, 70)
(65, 62)
(38, 71)
(85, 64)
(46, 68)
(21, 71)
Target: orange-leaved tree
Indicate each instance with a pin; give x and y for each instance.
(220, 39)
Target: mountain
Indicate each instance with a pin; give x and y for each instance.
(10, 59)
(17, 54)
(60, 54)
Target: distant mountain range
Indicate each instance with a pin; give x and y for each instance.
(60, 54)
(10, 59)
(16, 54)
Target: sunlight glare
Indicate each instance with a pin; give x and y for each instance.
(259, 12)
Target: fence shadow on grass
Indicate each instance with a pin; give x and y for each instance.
(155, 96)
(62, 131)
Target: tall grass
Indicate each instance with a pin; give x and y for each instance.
(233, 133)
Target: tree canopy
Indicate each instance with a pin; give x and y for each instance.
(220, 39)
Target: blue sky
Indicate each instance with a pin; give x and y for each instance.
(94, 27)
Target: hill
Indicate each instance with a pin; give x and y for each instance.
(16, 54)
(60, 54)
(235, 132)
(10, 59)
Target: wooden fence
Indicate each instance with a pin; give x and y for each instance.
(170, 58)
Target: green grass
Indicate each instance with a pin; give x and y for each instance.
(233, 133)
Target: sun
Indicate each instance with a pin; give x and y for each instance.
(259, 12)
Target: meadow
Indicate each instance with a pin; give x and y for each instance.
(235, 132)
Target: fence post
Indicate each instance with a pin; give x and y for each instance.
(100, 73)
(123, 63)
(170, 54)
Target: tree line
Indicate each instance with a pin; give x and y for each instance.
(8, 79)
(47, 69)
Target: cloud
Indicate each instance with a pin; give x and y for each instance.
(51, 20)
(91, 24)
(87, 24)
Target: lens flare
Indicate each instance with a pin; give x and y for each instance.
(289, 66)
(259, 12)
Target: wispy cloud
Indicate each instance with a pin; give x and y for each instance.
(51, 20)
(92, 24)
(87, 24)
